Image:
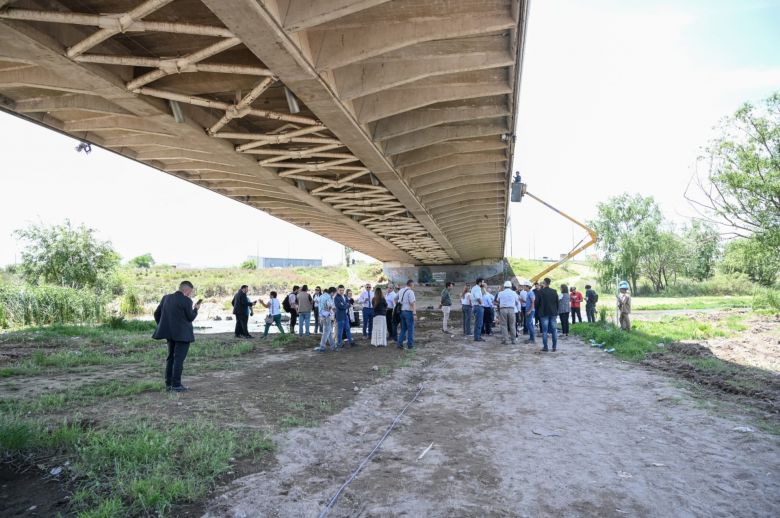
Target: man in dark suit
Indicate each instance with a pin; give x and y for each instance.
(241, 309)
(548, 309)
(174, 316)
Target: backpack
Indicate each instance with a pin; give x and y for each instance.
(595, 298)
(286, 303)
(397, 308)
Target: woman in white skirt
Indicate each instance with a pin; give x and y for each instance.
(379, 332)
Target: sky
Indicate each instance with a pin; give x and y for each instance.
(616, 96)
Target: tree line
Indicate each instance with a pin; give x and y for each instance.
(736, 194)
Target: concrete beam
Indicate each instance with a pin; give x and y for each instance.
(362, 79)
(434, 116)
(412, 173)
(435, 135)
(36, 77)
(337, 48)
(303, 14)
(81, 102)
(444, 149)
(406, 98)
(127, 123)
(480, 177)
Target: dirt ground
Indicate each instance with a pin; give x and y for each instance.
(514, 432)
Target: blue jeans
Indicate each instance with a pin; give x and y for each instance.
(466, 320)
(479, 315)
(549, 324)
(342, 330)
(407, 327)
(368, 321)
(304, 319)
(327, 333)
(530, 327)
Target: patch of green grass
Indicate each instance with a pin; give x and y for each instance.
(692, 303)
(645, 336)
(136, 468)
(281, 340)
(79, 396)
(295, 421)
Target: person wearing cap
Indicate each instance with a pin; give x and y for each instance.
(364, 299)
(530, 311)
(507, 303)
(624, 306)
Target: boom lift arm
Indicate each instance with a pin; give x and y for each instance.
(519, 190)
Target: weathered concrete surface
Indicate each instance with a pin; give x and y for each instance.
(402, 145)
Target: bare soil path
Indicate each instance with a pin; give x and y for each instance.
(519, 433)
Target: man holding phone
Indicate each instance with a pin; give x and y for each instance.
(174, 316)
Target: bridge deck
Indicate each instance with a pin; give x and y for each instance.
(401, 144)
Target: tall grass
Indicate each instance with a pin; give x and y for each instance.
(767, 298)
(44, 305)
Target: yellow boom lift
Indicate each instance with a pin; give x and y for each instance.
(519, 189)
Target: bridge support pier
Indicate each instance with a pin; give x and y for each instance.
(494, 270)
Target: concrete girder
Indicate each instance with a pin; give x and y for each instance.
(445, 197)
(407, 98)
(118, 123)
(478, 177)
(423, 118)
(363, 79)
(455, 215)
(437, 151)
(36, 77)
(337, 48)
(261, 33)
(41, 47)
(81, 102)
(437, 134)
(303, 14)
(422, 169)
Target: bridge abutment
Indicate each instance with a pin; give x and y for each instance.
(494, 270)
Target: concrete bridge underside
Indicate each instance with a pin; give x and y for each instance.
(401, 146)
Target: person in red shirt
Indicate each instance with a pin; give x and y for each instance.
(576, 299)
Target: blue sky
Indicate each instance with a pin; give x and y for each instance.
(616, 96)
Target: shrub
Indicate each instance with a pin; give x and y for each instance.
(763, 298)
(131, 304)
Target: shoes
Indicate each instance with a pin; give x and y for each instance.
(545, 349)
(319, 349)
(529, 341)
(399, 347)
(554, 349)
(479, 339)
(168, 388)
(248, 336)
(409, 347)
(352, 344)
(180, 388)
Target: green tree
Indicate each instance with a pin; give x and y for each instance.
(740, 183)
(626, 226)
(701, 251)
(753, 258)
(142, 261)
(662, 257)
(65, 255)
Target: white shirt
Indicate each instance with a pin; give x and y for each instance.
(364, 299)
(523, 296)
(274, 307)
(507, 298)
(487, 300)
(476, 295)
(466, 300)
(406, 297)
(391, 298)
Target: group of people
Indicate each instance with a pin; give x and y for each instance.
(335, 311)
(519, 309)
